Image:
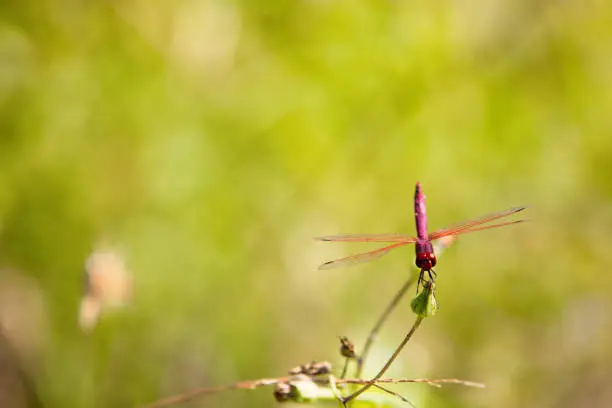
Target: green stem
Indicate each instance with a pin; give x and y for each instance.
(381, 320)
(354, 395)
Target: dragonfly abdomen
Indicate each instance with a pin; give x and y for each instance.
(420, 212)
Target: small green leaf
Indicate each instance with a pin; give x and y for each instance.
(425, 303)
(307, 391)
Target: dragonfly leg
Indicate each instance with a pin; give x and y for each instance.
(421, 281)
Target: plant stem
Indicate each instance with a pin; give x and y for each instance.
(383, 370)
(381, 320)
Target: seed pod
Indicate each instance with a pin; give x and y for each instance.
(347, 348)
(311, 369)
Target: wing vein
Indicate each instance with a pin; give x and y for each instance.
(362, 257)
(468, 226)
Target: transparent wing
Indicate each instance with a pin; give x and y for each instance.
(441, 244)
(469, 226)
(363, 257)
(369, 238)
(486, 227)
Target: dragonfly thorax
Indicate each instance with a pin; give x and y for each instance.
(425, 257)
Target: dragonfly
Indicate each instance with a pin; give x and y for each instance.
(425, 258)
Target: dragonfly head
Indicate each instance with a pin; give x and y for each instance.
(427, 262)
(425, 257)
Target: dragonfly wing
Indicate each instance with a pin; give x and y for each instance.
(369, 238)
(468, 226)
(360, 258)
(441, 244)
(486, 227)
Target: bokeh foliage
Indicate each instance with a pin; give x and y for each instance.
(212, 140)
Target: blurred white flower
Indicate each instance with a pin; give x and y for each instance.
(107, 285)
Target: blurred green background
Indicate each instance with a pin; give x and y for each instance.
(211, 140)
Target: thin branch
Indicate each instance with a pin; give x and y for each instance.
(395, 394)
(244, 385)
(434, 382)
(345, 368)
(383, 370)
(381, 320)
(330, 381)
(335, 391)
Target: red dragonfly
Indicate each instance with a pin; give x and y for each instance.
(425, 256)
